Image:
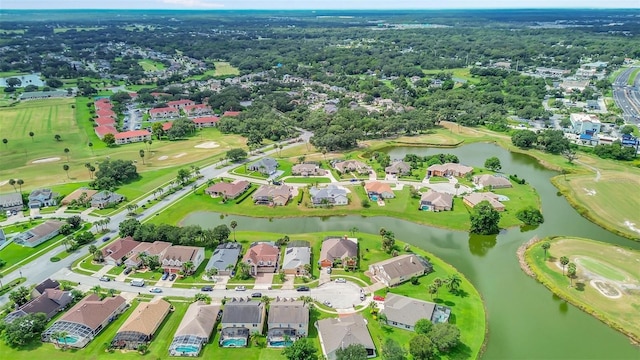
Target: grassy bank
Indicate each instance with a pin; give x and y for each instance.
(596, 261)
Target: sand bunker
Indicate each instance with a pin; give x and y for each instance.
(606, 289)
(207, 145)
(2, 183)
(589, 191)
(631, 226)
(161, 158)
(40, 161)
(179, 155)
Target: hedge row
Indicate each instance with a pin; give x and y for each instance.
(517, 179)
(246, 195)
(300, 195)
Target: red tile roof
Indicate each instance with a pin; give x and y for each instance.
(166, 126)
(105, 121)
(133, 133)
(231, 113)
(104, 130)
(105, 113)
(264, 252)
(163, 110)
(189, 108)
(206, 119)
(181, 102)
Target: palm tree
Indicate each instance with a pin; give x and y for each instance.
(564, 261)
(433, 289)
(65, 167)
(20, 182)
(212, 272)
(91, 147)
(31, 134)
(57, 137)
(96, 289)
(149, 145)
(301, 159)
(571, 273)
(97, 256)
(92, 169)
(453, 282)
(306, 299)
(545, 246)
(141, 152)
(229, 268)
(66, 151)
(383, 232)
(111, 292)
(12, 182)
(265, 300)
(234, 225)
(457, 186)
(5, 141)
(66, 242)
(187, 267)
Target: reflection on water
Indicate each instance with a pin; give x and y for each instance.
(479, 245)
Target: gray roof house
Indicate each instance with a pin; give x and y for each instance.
(225, 257)
(194, 330)
(339, 333)
(403, 312)
(330, 195)
(287, 319)
(240, 318)
(266, 166)
(334, 248)
(104, 199)
(398, 167)
(12, 201)
(296, 256)
(307, 169)
(41, 198)
(399, 269)
(39, 234)
(436, 201)
(492, 181)
(46, 298)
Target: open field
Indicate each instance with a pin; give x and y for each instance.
(612, 268)
(49, 117)
(224, 68)
(150, 65)
(65, 29)
(458, 73)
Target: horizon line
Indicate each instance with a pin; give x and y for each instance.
(331, 9)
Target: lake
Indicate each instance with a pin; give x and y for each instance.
(526, 321)
(31, 79)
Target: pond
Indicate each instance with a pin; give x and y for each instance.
(525, 319)
(31, 79)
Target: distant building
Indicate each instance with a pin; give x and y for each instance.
(569, 85)
(403, 312)
(228, 190)
(39, 234)
(207, 121)
(307, 170)
(448, 170)
(195, 329)
(105, 199)
(240, 319)
(379, 190)
(436, 201)
(348, 166)
(77, 194)
(42, 198)
(336, 248)
(196, 110)
(103, 130)
(272, 195)
(339, 333)
(180, 104)
(174, 258)
(225, 257)
(132, 136)
(492, 181)
(49, 300)
(34, 95)
(231, 113)
(156, 248)
(165, 112)
(398, 168)
(587, 124)
(11, 202)
(118, 250)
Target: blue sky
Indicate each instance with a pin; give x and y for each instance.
(317, 4)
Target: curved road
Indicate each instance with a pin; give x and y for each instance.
(627, 97)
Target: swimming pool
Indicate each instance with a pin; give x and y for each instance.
(187, 349)
(234, 342)
(280, 343)
(67, 340)
(374, 197)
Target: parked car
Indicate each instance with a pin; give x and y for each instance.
(155, 290)
(362, 296)
(354, 180)
(302, 288)
(327, 303)
(256, 295)
(127, 271)
(165, 276)
(341, 280)
(207, 288)
(328, 270)
(241, 288)
(172, 277)
(106, 238)
(105, 278)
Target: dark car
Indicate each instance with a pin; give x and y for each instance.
(106, 238)
(302, 288)
(165, 276)
(206, 288)
(256, 295)
(127, 271)
(172, 277)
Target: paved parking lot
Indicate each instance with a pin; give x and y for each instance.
(341, 295)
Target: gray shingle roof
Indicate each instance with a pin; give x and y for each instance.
(224, 255)
(345, 331)
(198, 320)
(282, 312)
(406, 310)
(242, 312)
(295, 256)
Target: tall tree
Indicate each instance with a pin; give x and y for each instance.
(57, 137)
(545, 246)
(12, 182)
(141, 152)
(485, 219)
(65, 167)
(564, 261)
(423, 326)
(453, 282)
(352, 352)
(302, 349)
(571, 272)
(20, 296)
(20, 182)
(493, 164)
(5, 141)
(445, 336)
(422, 348)
(392, 350)
(234, 225)
(90, 144)
(109, 139)
(31, 134)
(66, 152)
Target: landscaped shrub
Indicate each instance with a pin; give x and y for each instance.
(246, 195)
(517, 179)
(300, 195)
(55, 259)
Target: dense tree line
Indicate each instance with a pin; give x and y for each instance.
(112, 173)
(552, 141)
(192, 235)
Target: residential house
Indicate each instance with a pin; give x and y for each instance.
(106, 113)
(141, 325)
(102, 103)
(41, 198)
(492, 181)
(266, 166)
(398, 168)
(118, 251)
(103, 130)
(39, 234)
(11, 202)
(239, 320)
(46, 298)
(156, 248)
(307, 170)
(174, 258)
(231, 113)
(330, 195)
(287, 319)
(262, 257)
(272, 195)
(348, 166)
(448, 170)
(196, 110)
(76, 195)
(105, 121)
(475, 198)
(132, 136)
(377, 190)
(335, 248)
(167, 126)
(399, 269)
(85, 320)
(32, 95)
(206, 121)
(403, 312)
(224, 258)
(180, 104)
(436, 201)
(228, 190)
(105, 199)
(165, 112)
(195, 329)
(339, 333)
(297, 257)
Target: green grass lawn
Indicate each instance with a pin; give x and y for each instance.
(307, 180)
(150, 65)
(616, 265)
(224, 68)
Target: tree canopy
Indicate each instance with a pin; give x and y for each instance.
(484, 219)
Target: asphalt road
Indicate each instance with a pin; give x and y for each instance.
(42, 268)
(627, 97)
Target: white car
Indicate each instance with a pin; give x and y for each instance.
(341, 280)
(241, 288)
(155, 290)
(328, 303)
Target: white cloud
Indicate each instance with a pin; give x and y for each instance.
(193, 3)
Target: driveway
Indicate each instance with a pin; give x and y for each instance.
(263, 281)
(341, 295)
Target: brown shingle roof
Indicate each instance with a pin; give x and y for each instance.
(198, 320)
(262, 251)
(338, 248)
(230, 189)
(146, 317)
(120, 248)
(378, 187)
(91, 311)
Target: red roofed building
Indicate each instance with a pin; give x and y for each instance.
(105, 113)
(158, 94)
(231, 113)
(207, 121)
(101, 131)
(133, 95)
(102, 104)
(163, 112)
(132, 136)
(167, 126)
(105, 121)
(262, 257)
(194, 110)
(180, 104)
